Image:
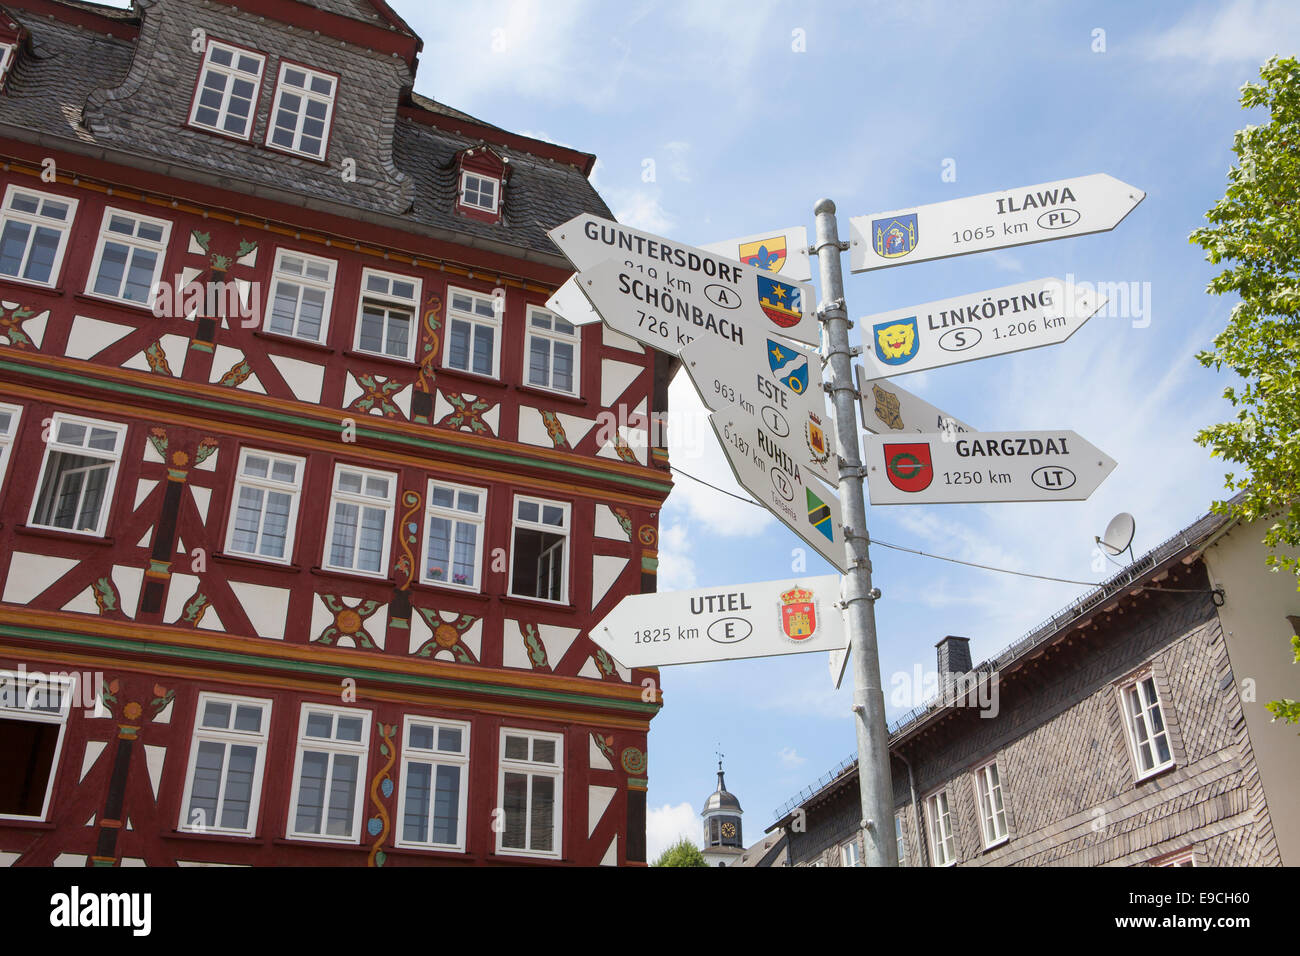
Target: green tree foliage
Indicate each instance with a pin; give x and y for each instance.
(1256, 228)
(681, 853)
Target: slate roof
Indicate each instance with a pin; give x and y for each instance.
(78, 86)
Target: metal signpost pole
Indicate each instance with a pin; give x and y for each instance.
(874, 779)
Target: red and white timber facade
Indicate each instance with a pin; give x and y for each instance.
(306, 501)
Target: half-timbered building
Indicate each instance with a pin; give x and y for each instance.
(306, 500)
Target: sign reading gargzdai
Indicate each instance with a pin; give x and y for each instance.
(783, 252)
(1014, 217)
(724, 623)
(967, 327)
(775, 380)
(772, 474)
(942, 468)
(665, 294)
(887, 408)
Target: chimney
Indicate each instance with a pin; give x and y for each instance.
(954, 658)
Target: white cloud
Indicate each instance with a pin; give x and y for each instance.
(640, 209)
(790, 758)
(677, 152)
(676, 569)
(1246, 30)
(665, 825)
(693, 447)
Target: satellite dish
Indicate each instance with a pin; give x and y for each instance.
(1119, 534)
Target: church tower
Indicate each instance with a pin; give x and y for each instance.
(723, 839)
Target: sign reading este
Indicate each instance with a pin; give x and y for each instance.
(724, 623)
(1015, 217)
(776, 381)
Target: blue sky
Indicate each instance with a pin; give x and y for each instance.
(746, 134)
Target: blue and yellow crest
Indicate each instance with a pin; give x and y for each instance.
(896, 341)
(789, 365)
(894, 237)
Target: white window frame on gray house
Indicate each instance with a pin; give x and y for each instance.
(470, 317)
(992, 806)
(393, 301)
(479, 192)
(244, 67)
(549, 336)
(943, 836)
(41, 699)
(262, 487)
(1139, 701)
(531, 767)
(301, 92)
(334, 746)
(359, 497)
(440, 748)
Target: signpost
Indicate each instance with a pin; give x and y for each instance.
(724, 623)
(888, 408)
(983, 466)
(776, 381)
(783, 252)
(665, 294)
(1013, 318)
(768, 472)
(1014, 217)
(570, 304)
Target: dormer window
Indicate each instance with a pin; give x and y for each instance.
(227, 92)
(303, 110)
(478, 191)
(8, 53)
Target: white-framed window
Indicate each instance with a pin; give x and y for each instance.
(531, 788)
(539, 537)
(78, 474)
(453, 543)
(265, 511)
(34, 231)
(473, 333)
(943, 843)
(1185, 858)
(360, 522)
(226, 98)
(304, 107)
(386, 315)
(1147, 735)
(328, 772)
(553, 352)
(901, 839)
(33, 718)
(993, 815)
(435, 784)
(9, 417)
(223, 785)
(849, 855)
(8, 52)
(478, 191)
(129, 257)
(302, 292)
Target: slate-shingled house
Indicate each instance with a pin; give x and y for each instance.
(1130, 729)
(306, 501)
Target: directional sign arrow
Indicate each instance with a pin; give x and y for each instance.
(783, 252)
(777, 482)
(1010, 319)
(941, 468)
(1015, 217)
(775, 380)
(570, 304)
(888, 408)
(724, 623)
(665, 294)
